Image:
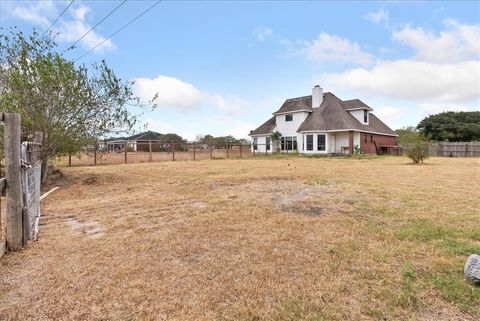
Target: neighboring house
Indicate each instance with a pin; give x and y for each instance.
(322, 123)
(138, 142)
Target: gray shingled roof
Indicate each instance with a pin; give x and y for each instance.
(149, 135)
(332, 115)
(266, 128)
(296, 104)
(355, 103)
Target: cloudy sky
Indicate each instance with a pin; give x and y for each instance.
(224, 67)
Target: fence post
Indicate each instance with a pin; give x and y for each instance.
(125, 147)
(150, 151)
(14, 198)
(70, 159)
(172, 146)
(211, 151)
(241, 156)
(227, 151)
(193, 150)
(466, 149)
(95, 154)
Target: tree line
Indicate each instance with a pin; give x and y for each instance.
(447, 126)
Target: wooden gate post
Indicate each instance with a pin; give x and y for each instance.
(70, 159)
(95, 146)
(211, 151)
(227, 151)
(150, 151)
(193, 150)
(241, 150)
(125, 147)
(14, 198)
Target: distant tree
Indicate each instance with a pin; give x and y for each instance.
(179, 142)
(199, 138)
(452, 126)
(275, 137)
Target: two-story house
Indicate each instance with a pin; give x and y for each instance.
(322, 123)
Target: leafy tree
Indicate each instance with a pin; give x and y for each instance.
(406, 134)
(180, 143)
(415, 145)
(73, 106)
(452, 126)
(275, 137)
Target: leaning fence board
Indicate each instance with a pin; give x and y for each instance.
(48, 193)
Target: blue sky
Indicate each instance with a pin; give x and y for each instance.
(224, 67)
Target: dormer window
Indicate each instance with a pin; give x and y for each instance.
(288, 117)
(365, 116)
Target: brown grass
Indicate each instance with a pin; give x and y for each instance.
(254, 239)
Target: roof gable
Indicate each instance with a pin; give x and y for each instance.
(355, 104)
(333, 115)
(296, 104)
(266, 128)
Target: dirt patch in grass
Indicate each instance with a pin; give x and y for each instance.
(252, 239)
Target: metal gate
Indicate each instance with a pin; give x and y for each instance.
(31, 183)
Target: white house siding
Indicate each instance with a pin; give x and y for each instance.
(358, 114)
(289, 128)
(341, 140)
(261, 144)
(356, 139)
(303, 141)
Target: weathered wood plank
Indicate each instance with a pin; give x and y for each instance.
(14, 199)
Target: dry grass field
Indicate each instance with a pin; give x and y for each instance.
(291, 238)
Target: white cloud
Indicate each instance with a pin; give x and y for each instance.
(390, 114)
(159, 126)
(328, 48)
(70, 27)
(261, 33)
(443, 72)
(227, 125)
(377, 17)
(459, 43)
(173, 92)
(37, 13)
(435, 108)
(413, 80)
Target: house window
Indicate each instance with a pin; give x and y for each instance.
(267, 142)
(288, 143)
(255, 142)
(309, 142)
(365, 116)
(320, 142)
(288, 117)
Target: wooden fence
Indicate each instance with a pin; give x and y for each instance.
(136, 152)
(457, 149)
